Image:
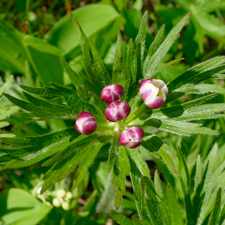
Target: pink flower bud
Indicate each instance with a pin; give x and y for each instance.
(153, 92)
(112, 93)
(85, 123)
(117, 111)
(131, 137)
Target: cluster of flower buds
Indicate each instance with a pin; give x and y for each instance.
(62, 198)
(153, 92)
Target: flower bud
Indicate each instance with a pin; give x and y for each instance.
(117, 111)
(69, 195)
(56, 202)
(85, 123)
(131, 137)
(153, 92)
(112, 93)
(66, 206)
(61, 193)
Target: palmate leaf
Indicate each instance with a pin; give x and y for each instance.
(46, 109)
(30, 150)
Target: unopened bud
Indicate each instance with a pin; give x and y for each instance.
(60, 193)
(112, 93)
(85, 123)
(69, 195)
(117, 111)
(131, 137)
(56, 202)
(66, 206)
(153, 92)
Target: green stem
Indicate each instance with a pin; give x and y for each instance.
(136, 113)
(105, 127)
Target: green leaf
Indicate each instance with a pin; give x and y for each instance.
(7, 111)
(188, 179)
(103, 74)
(214, 217)
(87, 161)
(175, 212)
(195, 89)
(4, 124)
(185, 128)
(43, 109)
(154, 46)
(164, 48)
(117, 197)
(120, 169)
(120, 218)
(114, 149)
(20, 207)
(213, 5)
(160, 198)
(33, 149)
(140, 39)
(151, 201)
(97, 74)
(92, 18)
(44, 59)
(198, 73)
(6, 85)
(4, 110)
(138, 168)
(76, 146)
(166, 65)
(155, 144)
(106, 201)
(199, 171)
(211, 25)
(187, 200)
(12, 53)
(121, 74)
(60, 170)
(83, 85)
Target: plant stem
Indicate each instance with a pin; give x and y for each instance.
(136, 113)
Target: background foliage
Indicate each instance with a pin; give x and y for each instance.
(185, 176)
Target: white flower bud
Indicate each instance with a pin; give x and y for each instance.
(69, 195)
(66, 206)
(61, 193)
(56, 202)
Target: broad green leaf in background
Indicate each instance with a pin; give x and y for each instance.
(12, 53)
(92, 19)
(44, 59)
(19, 207)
